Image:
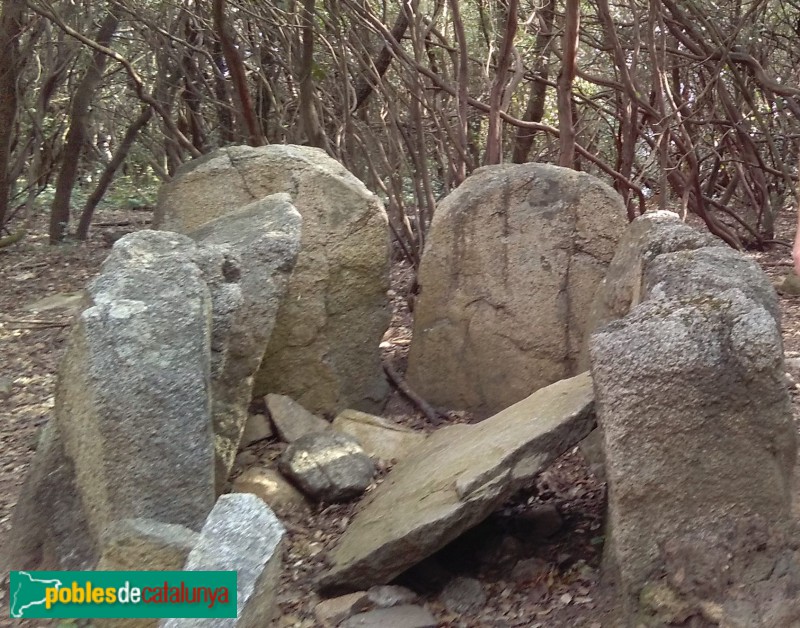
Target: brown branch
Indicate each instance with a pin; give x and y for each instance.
(426, 408)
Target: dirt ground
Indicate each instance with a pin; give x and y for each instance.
(565, 593)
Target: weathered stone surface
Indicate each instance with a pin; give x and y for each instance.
(324, 348)
(510, 267)
(145, 545)
(272, 488)
(455, 480)
(386, 595)
(257, 428)
(261, 242)
(244, 535)
(647, 237)
(697, 428)
(378, 436)
(49, 529)
(405, 616)
(291, 420)
(328, 466)
(132, 400)
(331, 613)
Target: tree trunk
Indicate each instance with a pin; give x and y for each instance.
(10, 29)
(566, 123)
(111, 168)
(308, 111)
(235, 66)
(494, 144)
(76, 136)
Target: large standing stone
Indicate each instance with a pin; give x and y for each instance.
(455, 480)
(242, 534)
(698, 434)
(324, 348)
(508, 274)
(647, 237)
(132, 401)
(264, 239)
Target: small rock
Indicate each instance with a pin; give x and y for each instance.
(379, 437)
(388, 595)
(405, 616)
(790, 286)
(272, 488)
(246, 458)
(70, 301)
(292, 420)
(331, 613)
(463, 595)
(257, 428)
(663, 602)
(5, 385)
(499, 551)
(328, 466)
(530, 570)
(540, 521)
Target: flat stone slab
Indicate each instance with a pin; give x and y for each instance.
(455, 480)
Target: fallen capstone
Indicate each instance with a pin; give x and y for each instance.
(328, 466)
(263, 238)
(242, 534)
(699, 440)
(291, 420)
(455, 480)
(507, 277)
(324, 349)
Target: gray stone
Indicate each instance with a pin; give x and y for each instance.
(539, 521)
(460, 475)
(132, 401)
(261, 242)
(145, 545)
(241, 534)
(257, 428)
(324, 348)
(531, 571)
(272, 488)
(508, 274)
(49, 528)
(291, 420)
(69, 301)
(387, 595)
(328, 466)
(331, 613)
(697, 423)
(379, 437)
(463, 595)
(405, 616)
(6, 385)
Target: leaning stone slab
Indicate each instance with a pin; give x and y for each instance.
(263, 238)
(324, 350)
(698, 434)
(132, 401)
(242, 534)
(145, 545)
(455, 480)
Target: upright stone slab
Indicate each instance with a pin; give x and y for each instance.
(647, 237)
(242, 534)
(508, 274)
(264, 239)
(699, 439)
(132, 400)
(324, 350)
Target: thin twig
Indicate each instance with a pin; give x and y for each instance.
(426, 408)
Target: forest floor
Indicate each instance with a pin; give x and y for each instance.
(565, 593)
